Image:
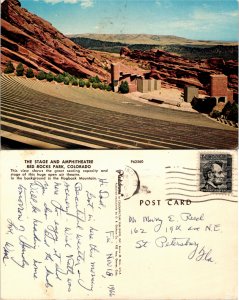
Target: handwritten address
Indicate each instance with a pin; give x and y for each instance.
(173, 231)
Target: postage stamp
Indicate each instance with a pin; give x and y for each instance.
(216, 173)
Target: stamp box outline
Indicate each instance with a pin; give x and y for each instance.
(225, 162)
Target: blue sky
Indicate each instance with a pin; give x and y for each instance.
(195, 19)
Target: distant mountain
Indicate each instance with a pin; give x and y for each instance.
(149, 39)
(196, 52)
(33, 41)
(190, 49)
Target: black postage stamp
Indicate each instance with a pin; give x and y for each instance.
(216, 173)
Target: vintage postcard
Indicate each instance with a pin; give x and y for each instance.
(99, 225)
(128, 74)
(158, 81)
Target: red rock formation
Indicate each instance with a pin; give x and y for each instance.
(33, 41)
(124, 51)
(179, 71)
(153, 74)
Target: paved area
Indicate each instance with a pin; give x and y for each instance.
(164, 98)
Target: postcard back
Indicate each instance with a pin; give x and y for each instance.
(119, 224)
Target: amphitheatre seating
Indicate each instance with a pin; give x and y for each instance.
(33, 112)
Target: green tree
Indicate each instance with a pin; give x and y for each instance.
(124, 87)
(95, 85)
(94, 79)
(59, 78)
(20, 69)
(71, 78)
(87, 84)
(233, 114)
(29, 73)
(101, 86)
(81, 83)
(108, 88)
(9, 68)
(74, 82)
(49, 77)
(66, 81)
(65, 74)
(41, 75)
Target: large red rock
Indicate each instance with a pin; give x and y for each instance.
(33, 41)
(216, 62)
(125, 51)
(177, 70)
(153, 73)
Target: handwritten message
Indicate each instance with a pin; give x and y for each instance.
(62, 232)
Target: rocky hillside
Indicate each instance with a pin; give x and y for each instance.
(180, 71)
(33, 41)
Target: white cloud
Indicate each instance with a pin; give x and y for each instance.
(83, 3)
(233, 14)
(204, 20)
(164, 3)
(204, 15)
(87, 3)
(185, 25)
(200, 21)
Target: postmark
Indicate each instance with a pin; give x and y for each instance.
(128, 182)
(216, 173)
